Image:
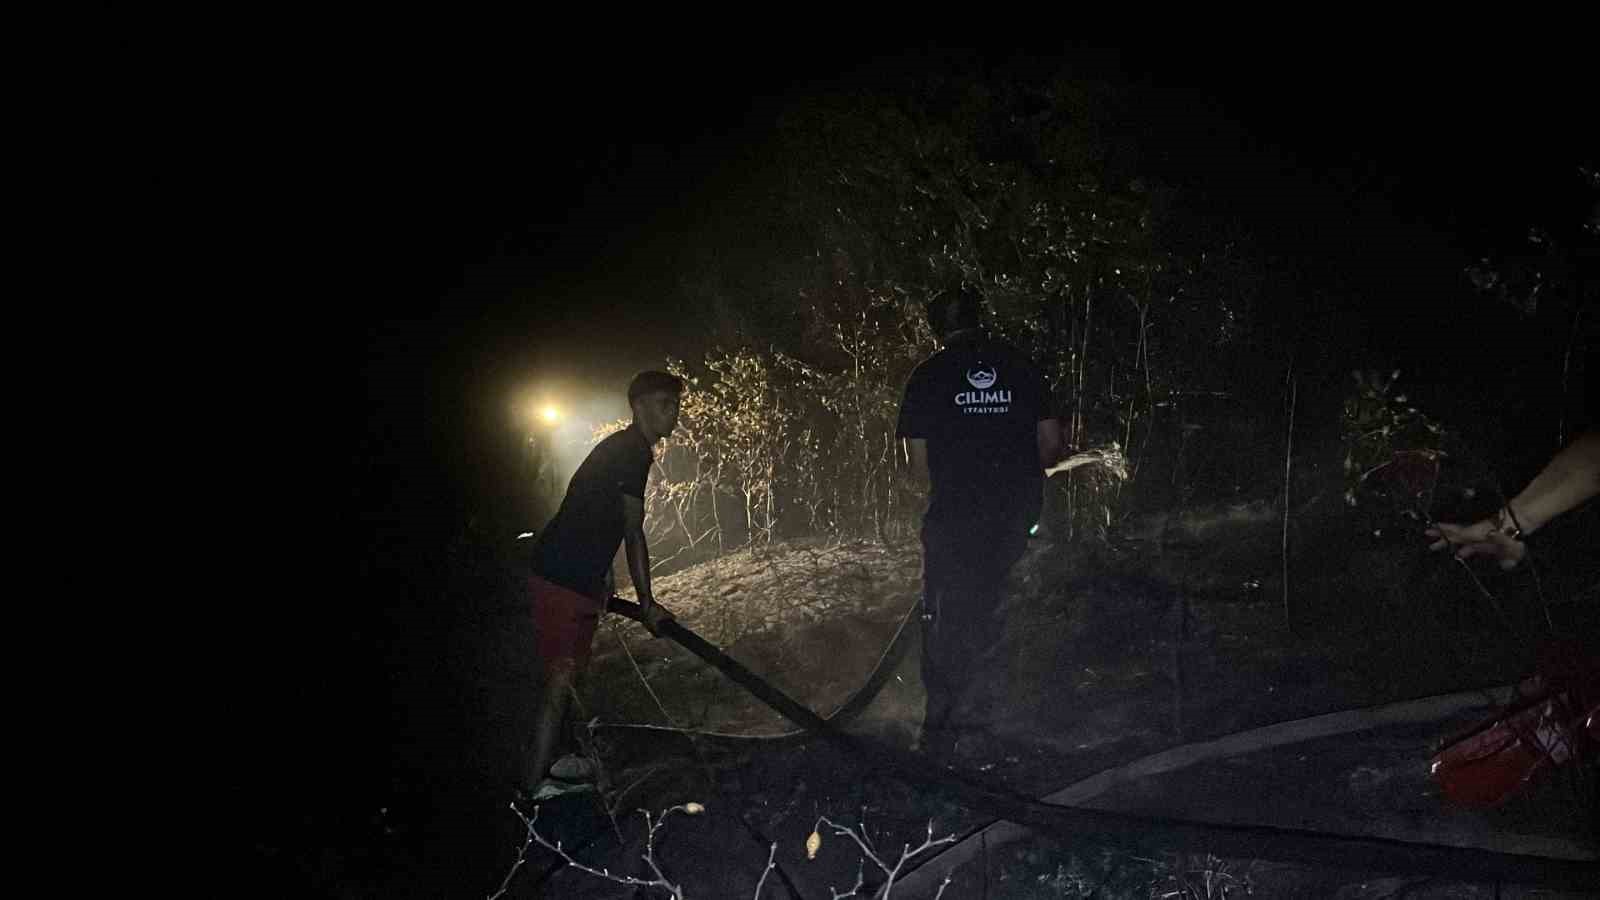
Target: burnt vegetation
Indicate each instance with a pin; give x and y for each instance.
(1143, 314)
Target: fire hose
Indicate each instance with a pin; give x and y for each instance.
(888, 660)
(1141, 833)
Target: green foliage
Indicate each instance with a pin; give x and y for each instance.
(914, 187)
(1392, 449)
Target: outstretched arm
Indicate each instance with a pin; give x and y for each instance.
(1570, 478)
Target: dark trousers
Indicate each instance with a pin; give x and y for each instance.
(964, 569)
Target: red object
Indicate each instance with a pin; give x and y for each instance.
(1503, 754)
(564, 621)
(1411, 474)
(1488, 766)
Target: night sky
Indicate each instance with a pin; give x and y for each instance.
(513, 214)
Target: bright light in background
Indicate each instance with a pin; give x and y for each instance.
(555, 420)
(542, 413)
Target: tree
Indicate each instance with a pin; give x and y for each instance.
(878, 196)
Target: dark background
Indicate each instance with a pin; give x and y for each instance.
(462, 215)
(528, 218)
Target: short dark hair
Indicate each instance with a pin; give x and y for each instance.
(956, 310)
(653, 382)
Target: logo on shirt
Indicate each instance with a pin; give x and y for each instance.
(983, 400)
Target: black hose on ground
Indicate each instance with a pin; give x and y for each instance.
(1148, 834)
(858, 702)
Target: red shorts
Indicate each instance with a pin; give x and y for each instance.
(564, 621)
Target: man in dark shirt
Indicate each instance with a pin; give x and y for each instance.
(603, 507)
(978, 423)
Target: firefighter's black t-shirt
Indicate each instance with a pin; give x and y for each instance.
(577, 547)
(978, 403)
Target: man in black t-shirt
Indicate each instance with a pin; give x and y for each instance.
(603, 507)
(978, 423)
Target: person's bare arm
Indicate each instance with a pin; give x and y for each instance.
(1052, 444)
(638, 553)
(917, 457)
(1570, 478)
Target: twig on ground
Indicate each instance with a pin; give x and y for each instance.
(650, 847)
(772, 853)
(907, 853)
(1215, 882)
(652, 826)
(522, 855)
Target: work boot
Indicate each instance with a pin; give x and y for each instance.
(573, 767)
(571, 774)
(553, 787)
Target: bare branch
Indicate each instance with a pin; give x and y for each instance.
(533, 836)
(907, 853)
(772, 852)
(522, 855)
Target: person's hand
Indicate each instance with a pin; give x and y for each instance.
(1482, 538)
(656, 615)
